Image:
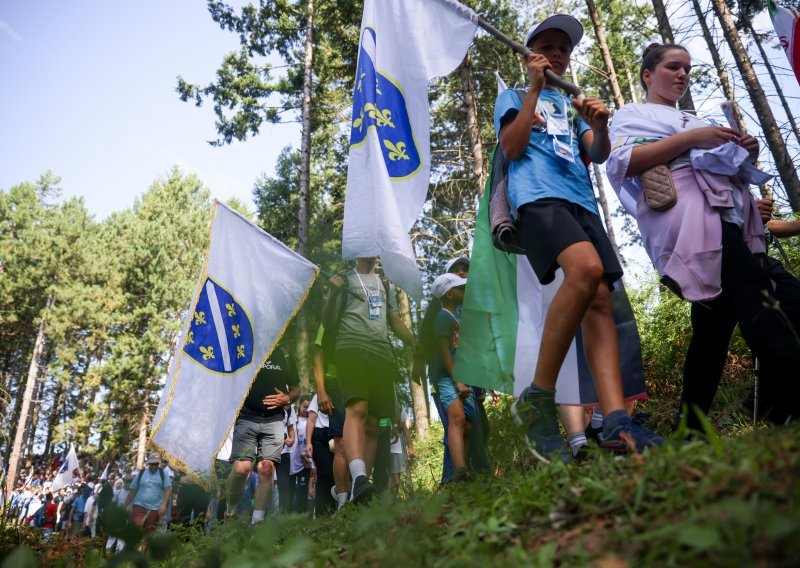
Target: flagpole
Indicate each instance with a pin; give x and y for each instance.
(552, 78)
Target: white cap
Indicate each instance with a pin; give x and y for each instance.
(460, 260)
(446, 282)
(563, 22)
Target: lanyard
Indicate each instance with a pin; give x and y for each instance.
(452, 315)
(363, 287)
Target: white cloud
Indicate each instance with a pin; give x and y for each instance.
(7, 30)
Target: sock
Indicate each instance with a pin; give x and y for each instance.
(539, 392)
(597, 418)
(612, 420)
(341, 499)
(231, 508)
(357, 467)
(577, 441)
(258, 516)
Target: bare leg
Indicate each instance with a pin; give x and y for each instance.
(266, 478)
(354, 434)
(370, 442)
(341, 475)
(456, 430)
(602, 350)
(583, 273)
(573, 418)
(236, 482)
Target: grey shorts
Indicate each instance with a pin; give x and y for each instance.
(257, 441)
(396, 463)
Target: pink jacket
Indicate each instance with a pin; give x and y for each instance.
(685, 242)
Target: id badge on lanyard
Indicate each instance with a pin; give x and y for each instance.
(559, 126)
(374, 302)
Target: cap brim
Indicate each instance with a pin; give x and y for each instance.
(567, 24)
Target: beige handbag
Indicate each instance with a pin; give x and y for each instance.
(659, 189)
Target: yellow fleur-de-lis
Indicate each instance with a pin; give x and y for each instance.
(360, 84)
(378, 86)
(208, 352)
(382, 117)
(199, 318)
(190, 337)
(235, 329)
(396, 152)
(359, 122)
(240, 351)
(231, 309)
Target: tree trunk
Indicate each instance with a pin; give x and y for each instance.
(30, 384)
(418, 404)
(303, 215)
(473, 126)
(52, 419)
(141, 451)
(603, 45)
(665, 29)
(768, 65)
(783, 162)
(631, 86)
(30, 436)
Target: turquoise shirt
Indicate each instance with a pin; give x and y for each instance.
(150, 491)
(539, 173)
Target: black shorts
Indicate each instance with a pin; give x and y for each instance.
(548, 226)
(362, 375)
(335, 418)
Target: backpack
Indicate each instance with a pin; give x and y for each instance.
(502, 220)
(139, 478)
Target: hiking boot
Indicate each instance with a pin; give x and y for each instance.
(536, 409)
(593, 433)
(363, 490)
(636, 438)
(462, 474)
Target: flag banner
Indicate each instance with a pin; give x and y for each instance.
(251, 287)
(65, 475)
(404, 44)
(787, 28)
(502, 321)
(105, 471)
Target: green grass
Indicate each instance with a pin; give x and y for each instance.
(724, 502)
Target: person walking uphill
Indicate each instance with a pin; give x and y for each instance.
(258, 433)
(543, 137)
(149, 493)
(365, 364)
(708, 246)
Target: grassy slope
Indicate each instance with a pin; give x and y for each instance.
(724, 502)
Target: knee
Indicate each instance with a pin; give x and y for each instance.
(242, 468)
(356, 411)
(266, 468)
(601, 303)
(586, 277)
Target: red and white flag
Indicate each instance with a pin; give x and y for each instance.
(787, 28)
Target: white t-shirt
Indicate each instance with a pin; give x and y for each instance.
(397, 444)
(88, 510)
(299, 448)
(289, 419)
(322, 419)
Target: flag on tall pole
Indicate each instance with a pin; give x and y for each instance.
(502, 321)
(403, 45)
(250, 288)
(65, 475)
(787, 28)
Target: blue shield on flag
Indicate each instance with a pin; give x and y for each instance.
(220, 337)
(379, 103)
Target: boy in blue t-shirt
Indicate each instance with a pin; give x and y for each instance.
(543, 137)
(456, 397)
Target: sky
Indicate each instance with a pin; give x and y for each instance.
(87, 90)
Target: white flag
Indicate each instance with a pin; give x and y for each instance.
(104, 475)
(65, 476)
(250, 288)
(404, 44)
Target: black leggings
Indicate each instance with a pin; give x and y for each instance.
(766, 331)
